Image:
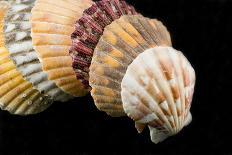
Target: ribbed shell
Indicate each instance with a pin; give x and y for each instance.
(121, 42)
(52, 24)
(157, 91)
(88, 30)
(19, 43)
(17, 95)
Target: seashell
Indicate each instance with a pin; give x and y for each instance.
(52, 25)
(119, 45)
(17, 95)
(157, 91)
(19, 43)
(89, 29)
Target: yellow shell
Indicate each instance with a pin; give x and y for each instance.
(121, 42)
(52, 26)
(157, 91)
(17, 33)
(17, 95)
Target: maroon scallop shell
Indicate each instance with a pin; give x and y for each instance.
(88, 30)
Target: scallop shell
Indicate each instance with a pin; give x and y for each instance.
(17, 95)
(19, 43)
(157, 91)
(121, 42)
(52, 25)
(89, 29)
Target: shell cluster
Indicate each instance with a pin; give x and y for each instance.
(57, 50)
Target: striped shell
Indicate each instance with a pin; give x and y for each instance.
(52, 24)
(17, 95)
(19, 43)
(121, 42)
(157, 91)
(88, 30)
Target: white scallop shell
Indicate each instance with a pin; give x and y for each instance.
(19, 43)
(157, 91)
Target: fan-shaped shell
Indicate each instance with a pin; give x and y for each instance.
(17, 95)
(119, 45)
(157, 91)
(89, 29)
(52, 25)
(19, 43)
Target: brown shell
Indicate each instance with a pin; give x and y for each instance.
(52, 25)
(120, 44)
(89, 29)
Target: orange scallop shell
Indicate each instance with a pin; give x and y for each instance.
(52, 25)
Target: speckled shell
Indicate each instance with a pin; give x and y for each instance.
(17, 95)
(52, 24)
(89, 29)
(19, 43)
(121, 42)
(157, 91)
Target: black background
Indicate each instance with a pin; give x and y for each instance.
(202, 31)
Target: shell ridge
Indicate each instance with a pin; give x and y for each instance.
(154, 72)
(51, 13)
(106, 66)
(142, 22)
(38, 16)
(159, 111)
(105, 54)
(180, 81)
(136, 36)
(23, 87)
(136, 50)
(16, 80)
(157, 136)
(117, 48)
(132, 52)
(42, 6)
(70, 3)
(158, 29)
(141, 29)
(172, 77)
(157, 104)
(120, 27)
(192, 79)
(16, 105)
(108, 78)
